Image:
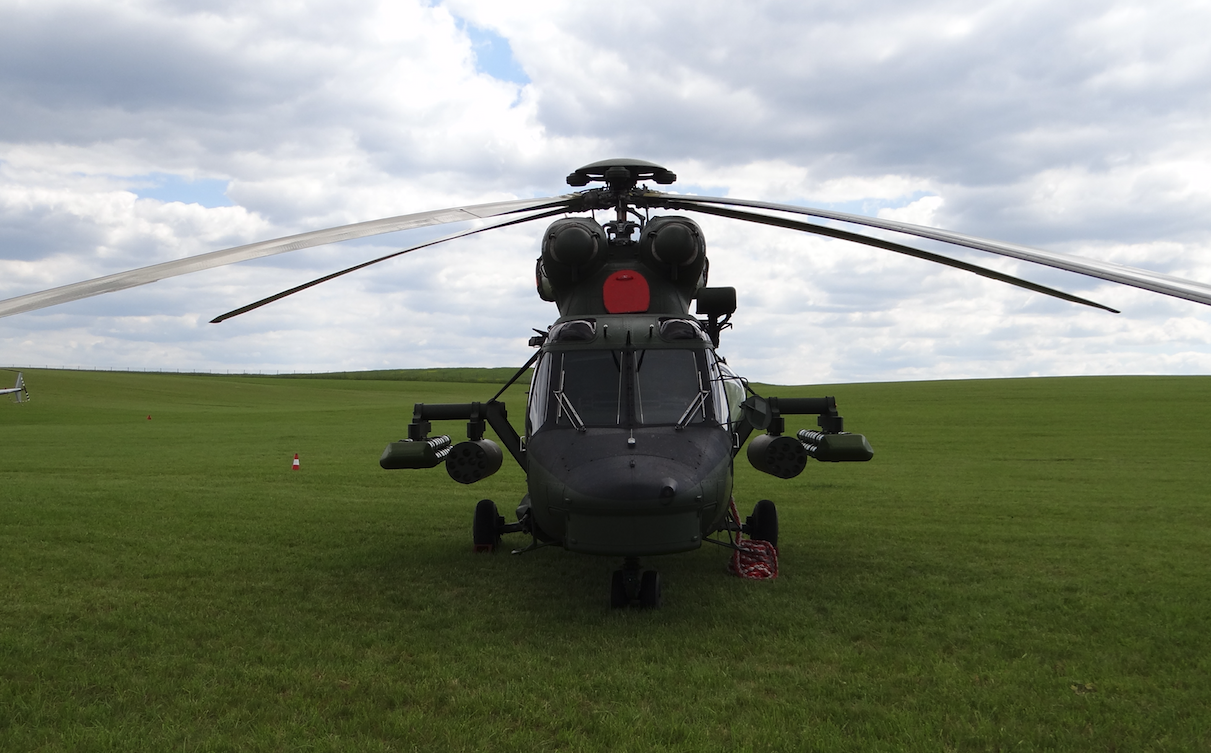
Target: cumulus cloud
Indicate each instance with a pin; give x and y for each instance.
(1079, 127)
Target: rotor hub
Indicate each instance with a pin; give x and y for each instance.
(621, 174)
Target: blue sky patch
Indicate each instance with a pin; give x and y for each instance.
(166, 187)
(494, 56)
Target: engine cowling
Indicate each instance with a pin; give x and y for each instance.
(573, 249)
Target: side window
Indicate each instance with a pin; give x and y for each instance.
(727, 389)
(540, 391)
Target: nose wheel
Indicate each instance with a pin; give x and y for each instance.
(630, 585)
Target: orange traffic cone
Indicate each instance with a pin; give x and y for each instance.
(295, 465)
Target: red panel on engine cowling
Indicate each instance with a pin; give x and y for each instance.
(626, 292)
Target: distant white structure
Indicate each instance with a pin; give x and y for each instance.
(20, 390)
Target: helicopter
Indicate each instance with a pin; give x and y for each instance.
(634, 419)
(20, 391)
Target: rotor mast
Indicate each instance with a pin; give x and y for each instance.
(621, 176)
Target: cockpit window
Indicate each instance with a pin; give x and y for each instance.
(668, 387)
(588, 389)
(655, 387)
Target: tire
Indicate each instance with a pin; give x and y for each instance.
(762, 525)
(649, 590)
(485, 528)
(618, 591)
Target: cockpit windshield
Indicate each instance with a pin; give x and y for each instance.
(668, 387)
(656, 387)
(588, 389)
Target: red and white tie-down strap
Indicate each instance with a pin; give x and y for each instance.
(755, 560)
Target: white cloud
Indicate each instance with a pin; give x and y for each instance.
(920, 212)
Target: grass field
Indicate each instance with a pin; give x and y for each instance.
(1023, 566)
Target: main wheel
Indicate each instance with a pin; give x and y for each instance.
(649, 590)
(618, 591)
(762, 525)
(485, 528)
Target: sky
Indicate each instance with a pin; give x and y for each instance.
(135, 132)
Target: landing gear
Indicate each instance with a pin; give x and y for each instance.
(649, 590)
(489, 525)
(630, 585)
(762, 525)
(486, 526)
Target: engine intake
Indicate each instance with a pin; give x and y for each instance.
(674, 247)
(571, 251)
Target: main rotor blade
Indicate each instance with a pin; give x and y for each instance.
(1156, 282)
(363, 265)
(807, 227)
(144, 275)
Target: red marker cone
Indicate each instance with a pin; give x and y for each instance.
(295, 465)
(149, 418)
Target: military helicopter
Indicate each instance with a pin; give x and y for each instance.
(20, 391)
(633, 419)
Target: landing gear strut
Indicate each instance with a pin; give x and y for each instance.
(631, 585)
(489, 525)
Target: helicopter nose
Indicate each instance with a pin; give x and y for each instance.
(642, 479)
(604, 470)
(655, 490)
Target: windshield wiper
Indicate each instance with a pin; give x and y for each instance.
(573, 416)
(694, 406)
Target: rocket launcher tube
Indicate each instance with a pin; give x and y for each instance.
(836, 448)
(416, 453)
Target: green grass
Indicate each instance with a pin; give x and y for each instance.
(1023, 566)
